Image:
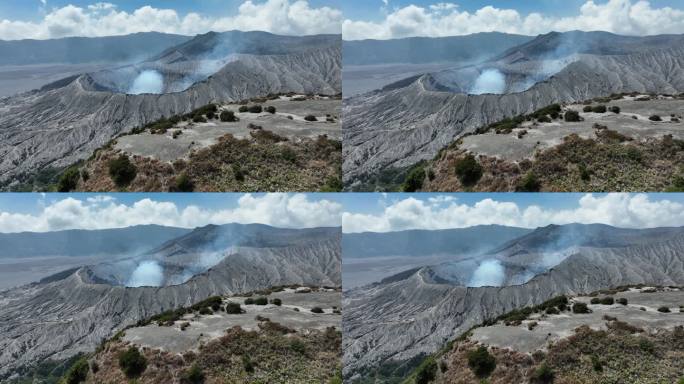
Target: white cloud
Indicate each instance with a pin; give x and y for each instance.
(627, 17)
(287, 17)
(621, 210)
(99, 212)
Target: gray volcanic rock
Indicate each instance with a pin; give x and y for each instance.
(412, 120)
(66, 121)
(75, 310)
(413, 314)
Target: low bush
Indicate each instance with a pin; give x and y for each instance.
(414, 179)
(607, 300)
(580, 308)
(199, 119)
(317, 310)
(664, 309)
(615, 109)
(122, 171)
(228, 117)
(247, 364)
(655, 118)
(243, 109)
(543, 375)
(587, 108)
(544, 119)
(622, 301)
(233, 308)
(427, 371)
(132, 362)
(596, 300)
(277, 302)
(255, 109)
(261, 301)
(194, 375)
(68, 180)
(77, 373)
(249, 301)
(271, 109)
(572, 116)
(297, 346)
(481, 362)
(310, 118)
(529, 183)
(468, 170)
(184, 184)
(599, 109)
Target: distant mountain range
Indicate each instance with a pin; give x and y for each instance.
(421, 243)
(75, 310)
(392, 129)
(80, 50)
(77, 242)
(415, 50)
(434, 304)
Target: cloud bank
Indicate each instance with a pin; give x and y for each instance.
(279, 210)
(626, 17)
(286, 17)
(620, 210)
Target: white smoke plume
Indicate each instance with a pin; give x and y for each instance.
(490, 273)
(489, 81)
(149, 81)
(147, 274)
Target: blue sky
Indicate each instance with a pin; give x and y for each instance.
(374, 10)
(34, 9)
(394, 212)
(36, 212)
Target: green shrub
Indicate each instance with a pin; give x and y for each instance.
(529, 183)
(622, 301)
(228, 116)
(122, 171)
(414, 179)
(256, 109)
(580, 308)
(316, 310)
(595, 300)
(184, 184)
(132, 362)
(243, 109)
(277, 302)
(544, 119)
(271, 109)
(233, 308)
(310, 118)
(572, 115)
(332, 184)
(468, 170)
(68, 180)
(247, 364)
(261, 301)
(194, 375)
(615, 109)
(78, 372)
(655, 118)
(288, 154)
(587, 108)
(552, 311)
(599, 109)
(596, 363)
(544, 374)
(249, 301)
(211, 115)
(205, 311)
(199, 119)
(427, 371)
(584, 173)
(481, 362)
(297, 346)
(607, 300)
(664, 309)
